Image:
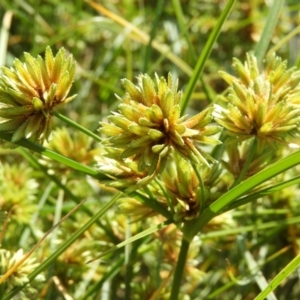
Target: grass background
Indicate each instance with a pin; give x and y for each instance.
(266, 231)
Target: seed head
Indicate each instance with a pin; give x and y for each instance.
(29, 91)
(18, 191)
(148, 125)
(183, 188)
(74, 145)
(19, 277)
(262, 104)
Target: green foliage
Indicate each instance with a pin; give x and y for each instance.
(189, 189)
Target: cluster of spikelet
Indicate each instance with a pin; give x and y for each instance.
(263, 104)
(148, 124)
(29, 91)
(19, 277)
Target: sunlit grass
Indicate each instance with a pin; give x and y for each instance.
(96, 251)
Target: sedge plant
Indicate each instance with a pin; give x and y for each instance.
(177, 176)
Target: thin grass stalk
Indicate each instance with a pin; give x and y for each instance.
(143, 37)
(215, 208)
(179, 270)
(267, 191)
(148, 51)
(263, 44)
(77, 126)
(246, 166)
(34, 163)
(129, 268)
(281, 276)
(115, 269)
(182, 26)
(55, 156)
(244, 229)
(204, 55)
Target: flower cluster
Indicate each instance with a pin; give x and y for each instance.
(18, 191)
(124, 172)
(264, 104)
(179, 188)
(20, 276)
(237, 155)
(184, 189)
(29, 91)
(74, 145)
(148, 125)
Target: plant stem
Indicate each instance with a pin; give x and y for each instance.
(179, 269)
(77, 126)
(183, 28)
(55, 156)
(192, 228)
(262, 46)
(247, 163)
(204, 55)
(157, 14)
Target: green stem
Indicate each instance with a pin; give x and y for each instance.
(262, 46)
(183, 28)
(64, 246)
(77, 126)
(157, 14)
(267, 191)
(109, 275)
(55, 156)
(192, 228)
(248, 161)
(178, 274)
(204, 56)
(152, 203)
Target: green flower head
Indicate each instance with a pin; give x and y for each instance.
(18, 191)
(19, 277)
(261, 104)
(29, 91)
(74, 145)
(148, 124)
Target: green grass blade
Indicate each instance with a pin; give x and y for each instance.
(132, 239)
(204, 55)
(262, 46)
(182, 26)
(267, 191)
(249, 228)
(77, 126)
(55, 156)
(282, 275)
(253, 266)
(158, 11)
(285, 40)
(151, 202)
(179, 270)
(35, 163)
(215, 208)
(111, 273)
